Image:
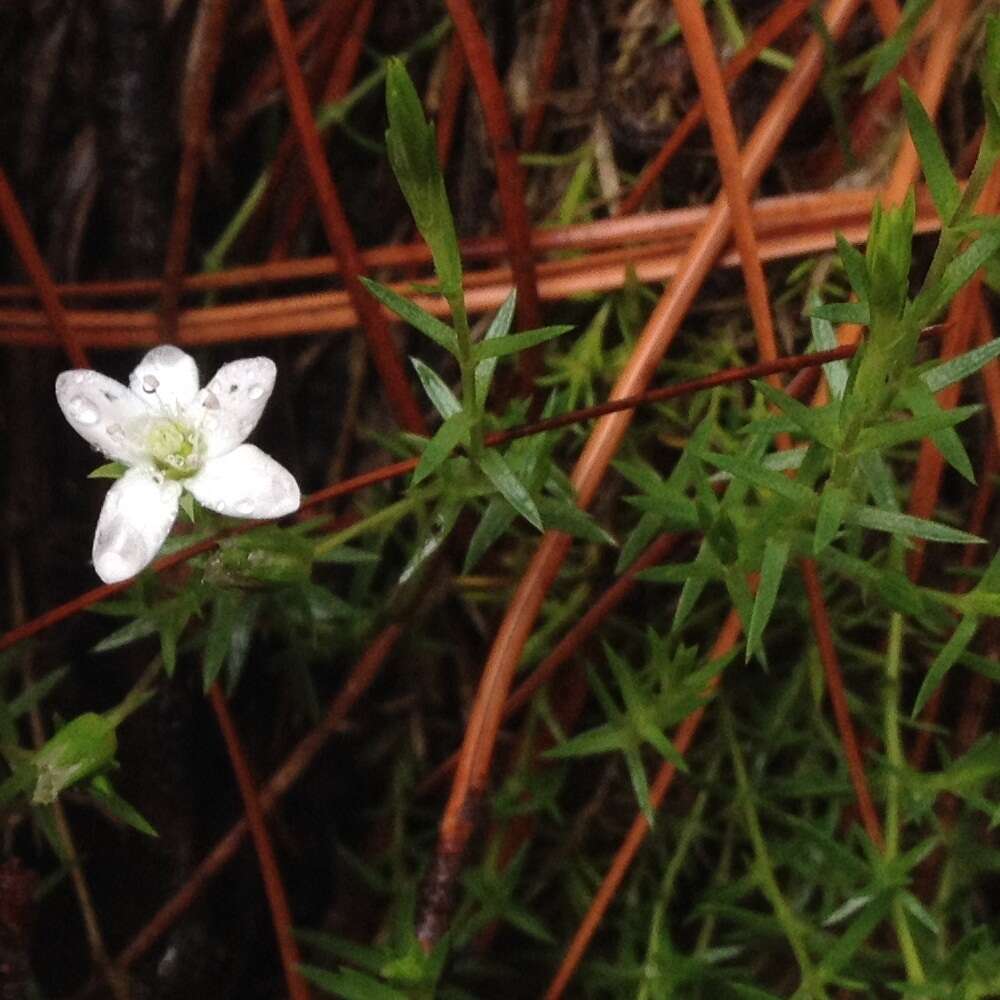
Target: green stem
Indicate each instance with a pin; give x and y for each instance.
(463, 335)
(897, 762)
(764, 868)
(387, 515)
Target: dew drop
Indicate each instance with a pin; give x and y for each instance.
(255, 391)
(150, 383)
(82, 410)
(245, 506)
(211, 401)
(79, 378)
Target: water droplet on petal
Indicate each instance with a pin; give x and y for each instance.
(79, 378)
(150, 383)
(83, 410)
(245, 506)
(116, 432)
(255, 391)
(211, 401)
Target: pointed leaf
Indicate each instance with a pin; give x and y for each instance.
(933, 159)
(430, 326)
(908, 526)
(444, 442)
(497, 518)
(855, 267)
(499, 474)
(946, 659)
(819, 423)
(439, 394)
(833, 504)
(772, 569)
(961, 367)
(897, 432)
(514, 342)
(842, 312)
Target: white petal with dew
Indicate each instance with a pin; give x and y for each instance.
(245, 483)
(135, 520)
(103, 412)
(228, 408)
(166, 379)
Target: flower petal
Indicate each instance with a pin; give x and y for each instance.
(103, 412)
(245, 483)
(228, 408)
(166, 379)
(135, 520)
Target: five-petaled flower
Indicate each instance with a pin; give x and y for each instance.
(174, 437)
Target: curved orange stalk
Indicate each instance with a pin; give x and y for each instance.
(726, 640)
(483, 725)
(274, 888)
(384, 353)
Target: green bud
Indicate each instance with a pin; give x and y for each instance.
(890, 244)
(81, 748)
(255, 561)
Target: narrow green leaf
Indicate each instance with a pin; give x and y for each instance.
(881, 483)
(922, 403)
(439, 394)
(497, 518)
(931, 301)
(855, 267)
(908, 527)
(133, 630)
(349, 984)
(833, 503)
(825, 339)
(842, 312)
(945, 660)
(891, 51)
(897, 432)
(444, 442)
(763, 479)
(430, 326)
(566, 516)
(772, 569)
(961, 367)
(514, 342)
(499, 327)
(499, 474)
(602, 739)
(820, 424)
(933, 159)
(104, 792)
(225, 613)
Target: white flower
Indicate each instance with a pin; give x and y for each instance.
(174, 438)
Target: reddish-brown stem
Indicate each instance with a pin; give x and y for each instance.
(208, 38)
(451, 100)
(838, 699)
(779, 22)
(357, 683)
(726, 640)
(344, 68)
(338, 231)
(545, 71)
(274, 887)
(509, 175)
(27, 250)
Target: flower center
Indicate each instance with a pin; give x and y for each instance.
(175, 448)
